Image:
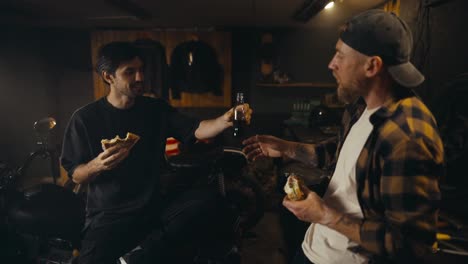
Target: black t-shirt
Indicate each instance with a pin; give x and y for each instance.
(134, 182)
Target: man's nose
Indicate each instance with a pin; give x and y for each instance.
(139, 76)
(331, 64)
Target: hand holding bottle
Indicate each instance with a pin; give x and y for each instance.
(242, 113)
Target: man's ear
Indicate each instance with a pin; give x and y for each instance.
(373, 66)
(108, 78)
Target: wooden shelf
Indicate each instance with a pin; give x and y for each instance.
(297, 84)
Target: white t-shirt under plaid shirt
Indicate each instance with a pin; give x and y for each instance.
(322, 244)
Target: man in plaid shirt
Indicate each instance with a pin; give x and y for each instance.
(381, 203)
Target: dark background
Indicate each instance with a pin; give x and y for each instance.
(48, 72)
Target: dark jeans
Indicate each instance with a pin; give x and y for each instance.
(300, 258)
(162, 236)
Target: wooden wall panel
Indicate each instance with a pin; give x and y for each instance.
(220, 41)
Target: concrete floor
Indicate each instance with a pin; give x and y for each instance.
(265, 244)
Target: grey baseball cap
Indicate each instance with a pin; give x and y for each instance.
(379, 33)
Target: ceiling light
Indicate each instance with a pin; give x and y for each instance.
(331, 4)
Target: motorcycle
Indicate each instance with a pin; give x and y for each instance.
(40, 224)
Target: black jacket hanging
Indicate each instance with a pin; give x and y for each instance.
(156, 69)
(195, 69)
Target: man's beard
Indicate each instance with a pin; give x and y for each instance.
(347, 95)
(137, 88)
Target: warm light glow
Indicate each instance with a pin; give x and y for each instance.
(330, 5)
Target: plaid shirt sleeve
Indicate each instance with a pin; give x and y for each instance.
(400, 194)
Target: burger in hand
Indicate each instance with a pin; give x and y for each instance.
(128, 142)
(293, 188)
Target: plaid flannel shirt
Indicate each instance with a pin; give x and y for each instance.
(397, 176)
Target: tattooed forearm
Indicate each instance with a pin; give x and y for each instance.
(347, 225)
(305, 153)
(347, 220)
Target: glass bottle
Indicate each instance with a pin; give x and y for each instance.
(239, 117)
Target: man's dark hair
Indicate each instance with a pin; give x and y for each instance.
(111, 55)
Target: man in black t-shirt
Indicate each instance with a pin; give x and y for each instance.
(124, 207)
